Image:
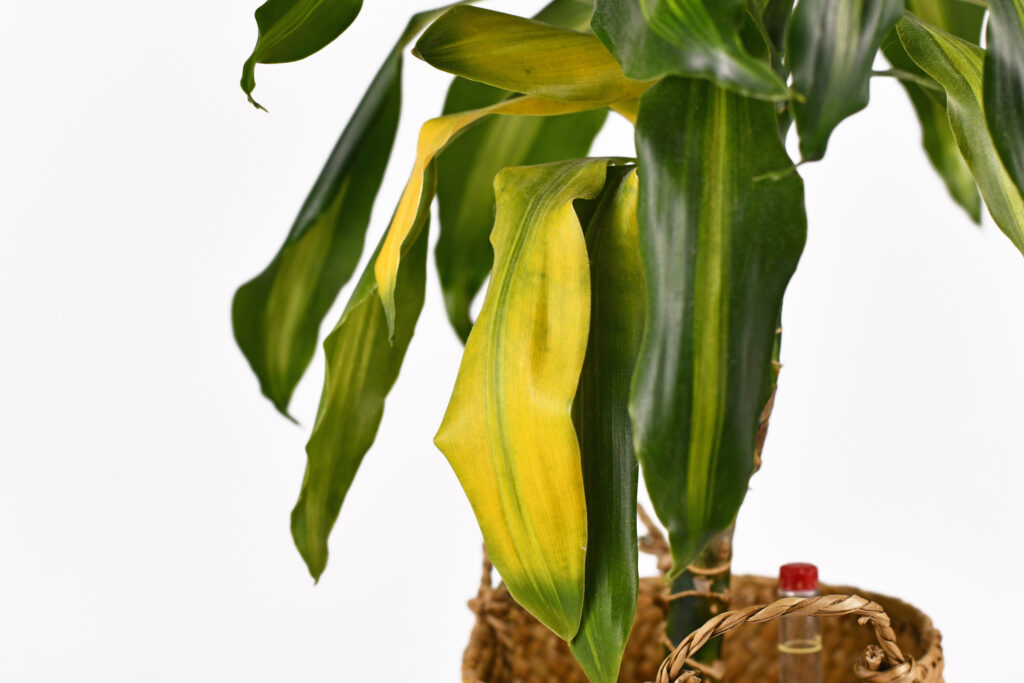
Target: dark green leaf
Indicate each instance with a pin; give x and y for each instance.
(957, 66)
(1004, 84)
(362, 366)
(965, 21)
(291, 30)
(655, 38)
(832, 45)
(466, 171)
(277, 314)
(722, 226)
(601, 416)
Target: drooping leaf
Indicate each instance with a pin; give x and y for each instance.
(508, 430)
(601, 415)
(362, 366)
(1004, 84)
(832, 45)
(957, 66)
(277, 315)
(655, 38)
(434, 137)
(290, 30)
(466, 171)
(963, 20)
(764, 36)
(524, 56)
(721, 231)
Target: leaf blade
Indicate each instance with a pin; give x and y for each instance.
(957, 66)
(716, 270)
(507, 431)
(1004, 84)
(937, 138)
(831, 47)
(525, 56)
(290, 30)
(652, 40)
(601, 416)
(277, 315)
(362, 366)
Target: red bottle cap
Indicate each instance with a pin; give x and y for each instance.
(799, 577)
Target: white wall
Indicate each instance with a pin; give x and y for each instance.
(145, 485)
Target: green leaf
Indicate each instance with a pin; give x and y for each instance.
(1004, 84)
(508, 430)
(656, 38)
(362, 366)
(277, 315)
(964, 21)
(957, 66)
(290, 30)
(722, 226)
(524, 56)
(466, 171)
(832, 45)
(601, 415)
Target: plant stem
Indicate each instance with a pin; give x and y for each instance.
(922, 81)
(704, 589)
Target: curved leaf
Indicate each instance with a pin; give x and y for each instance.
(957, 66)
(655, 38)
(434, 137)
(1004, 84)
(277, 314)
(719, 242)
(963, 20)
(508, 430)
(524, 56)
(290, 30)
(362, 366)
(832, 45)
(601, 415)
(465, 179)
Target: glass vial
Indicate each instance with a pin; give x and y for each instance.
(799, 637)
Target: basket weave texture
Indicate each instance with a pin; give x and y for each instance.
(508, 645)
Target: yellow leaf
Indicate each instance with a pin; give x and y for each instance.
(508, 431)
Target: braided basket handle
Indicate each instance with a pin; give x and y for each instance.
(885, 665)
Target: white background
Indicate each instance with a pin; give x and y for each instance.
(145, 485)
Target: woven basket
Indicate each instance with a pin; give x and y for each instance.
(508, 645)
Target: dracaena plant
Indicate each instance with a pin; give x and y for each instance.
(632, 313)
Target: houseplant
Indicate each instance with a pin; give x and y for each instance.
(633, 305)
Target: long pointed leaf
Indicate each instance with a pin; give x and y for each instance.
(832, 45)
(290, 30)
(524, 56)
(957, 66)
(601, 415)
(435, 135)
(1004, 84)
(508, 431)
(719, 242)
(277, 315)
(965, 21)
(362, 366)
(466, 171)
(655, 38)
